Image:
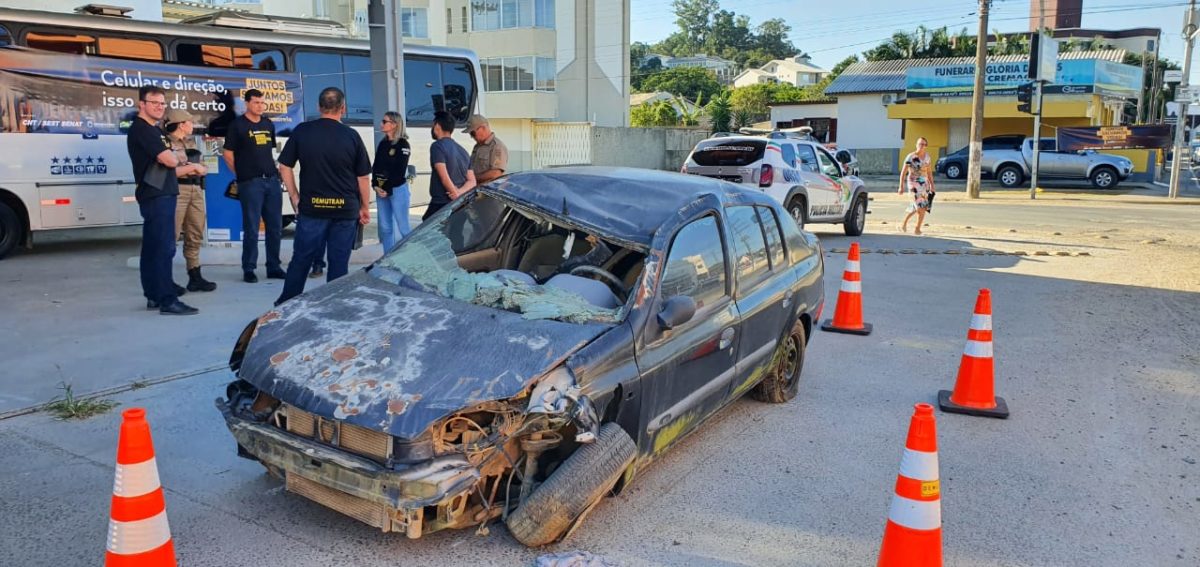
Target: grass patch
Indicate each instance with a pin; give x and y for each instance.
(71, 407)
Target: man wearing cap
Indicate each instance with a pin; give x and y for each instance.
(249, 145)
(189, 209)
(489, 158)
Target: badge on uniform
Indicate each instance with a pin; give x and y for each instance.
(392, 152)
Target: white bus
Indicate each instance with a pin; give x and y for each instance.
(94, 186)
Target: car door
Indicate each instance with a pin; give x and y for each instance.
(831, 173)
(822, 195)
(686, 371)
(761, 300)
(1050, 162)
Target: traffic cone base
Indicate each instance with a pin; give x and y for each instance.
(828, 326)
(1000, 411)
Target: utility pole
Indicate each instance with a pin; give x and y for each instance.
(1037, 102)
(1189, 34)
(977, 98)
(387, 57)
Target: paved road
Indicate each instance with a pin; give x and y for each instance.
(1097, 466)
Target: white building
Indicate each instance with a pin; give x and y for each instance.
(820, 115)
(798, 71)
(724, 69)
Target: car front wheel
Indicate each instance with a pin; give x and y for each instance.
(954, 171)
(1104, 178)
(1010, 176)
(557, 504)
(856, 220)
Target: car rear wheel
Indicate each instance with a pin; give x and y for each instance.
(1104, 178)
(10, 230)
(555, 505)
(856, 220)
(798, 208)
(954, 171)
(1010, 176)
(784, 381)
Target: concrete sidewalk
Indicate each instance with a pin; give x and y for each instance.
(883, 186)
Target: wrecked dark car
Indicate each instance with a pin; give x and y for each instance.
(527, 350)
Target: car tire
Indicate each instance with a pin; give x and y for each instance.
(797, 207)
(856, 219)
(1104, 177)
(555, 505)
(783, 382)
(10, 230)
(954, 170)
(1010, 176)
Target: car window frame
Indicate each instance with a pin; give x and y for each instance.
(783, 247)
(727, 294)
(741, 288)
(822, 151)
(800, 149)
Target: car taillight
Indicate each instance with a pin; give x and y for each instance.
(766, 176)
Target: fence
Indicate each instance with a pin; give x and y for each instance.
(557, 144)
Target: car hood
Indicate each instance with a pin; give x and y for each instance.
(392, 359)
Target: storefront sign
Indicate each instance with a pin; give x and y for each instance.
(1113, 137)
(56, 93)
(1074, 76)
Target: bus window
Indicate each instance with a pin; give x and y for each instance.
(317, 72)
(459, 89)
(124, 48)
(62, 43)
(227, 56)
(360, 109)
(422, 91)
(5, 37)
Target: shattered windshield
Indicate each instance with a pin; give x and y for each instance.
(492, 255)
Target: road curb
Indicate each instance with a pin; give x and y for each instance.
(131, 385)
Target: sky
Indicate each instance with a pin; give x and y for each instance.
(833, 30)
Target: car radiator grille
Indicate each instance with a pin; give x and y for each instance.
(365, 511)
(351, 438)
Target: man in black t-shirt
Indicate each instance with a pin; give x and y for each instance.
(157, 190)
(334, 193)
(249, 142)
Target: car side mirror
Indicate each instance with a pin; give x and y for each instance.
(676, 310)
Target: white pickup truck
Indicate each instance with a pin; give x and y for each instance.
(1011, 167)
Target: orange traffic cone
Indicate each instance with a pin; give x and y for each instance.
(847, 316)
(138, 534)
(974, 393)
(913, 535)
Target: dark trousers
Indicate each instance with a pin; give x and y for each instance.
(158, 249)
(261, 198)
(432, 209)
(313, 235)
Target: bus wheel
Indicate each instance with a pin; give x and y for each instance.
(10, 229)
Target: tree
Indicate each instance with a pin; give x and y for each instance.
(750, 103)
(720, 112)
(692, 17)
(689, 113)
(772, 37)
(653, 115)
(704, 27)
(683, 81)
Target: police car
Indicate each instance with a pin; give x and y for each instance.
(791, 167)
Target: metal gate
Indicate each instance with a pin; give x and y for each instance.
(556, 144)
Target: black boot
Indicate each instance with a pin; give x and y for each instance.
(196, 282)
(179, 290)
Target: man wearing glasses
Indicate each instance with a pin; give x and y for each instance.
(489, 157)
(157, 192)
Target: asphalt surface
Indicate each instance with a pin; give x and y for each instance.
(1095, 355)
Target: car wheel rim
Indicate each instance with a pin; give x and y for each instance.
(861, 216)
(1009, 178)
(953, 171)
(1104, 179)
(791, 361)
(798, 215)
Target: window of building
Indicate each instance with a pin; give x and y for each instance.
(227, 56)
(5, 37)
(489, 15)
(696, 264)
(507, 74)
(749, 247)
(770, 226)
(449, 21)
(414, 23)
(464, 19)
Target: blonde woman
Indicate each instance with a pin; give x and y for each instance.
(917, 176)
(389, 182)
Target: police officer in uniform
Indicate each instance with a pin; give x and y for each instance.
(489, 157)
(189, 212)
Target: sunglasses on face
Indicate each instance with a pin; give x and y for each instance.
(386, 121)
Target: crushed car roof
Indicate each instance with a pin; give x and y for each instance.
(624, 204)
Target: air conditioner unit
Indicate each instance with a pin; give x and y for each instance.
(888, 98)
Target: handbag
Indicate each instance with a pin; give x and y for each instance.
(231, 191)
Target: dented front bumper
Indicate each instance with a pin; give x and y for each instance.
(415, 499)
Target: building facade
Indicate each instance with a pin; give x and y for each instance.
(797, 71)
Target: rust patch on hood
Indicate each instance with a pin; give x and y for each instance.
(279, 358)
(397, 406)
(344, 353)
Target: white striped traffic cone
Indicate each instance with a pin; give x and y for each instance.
(847, 314)
(974, 390)
(138, 534)
(913, 535)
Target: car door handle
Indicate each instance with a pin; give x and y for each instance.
(726, 338)
(787, 299)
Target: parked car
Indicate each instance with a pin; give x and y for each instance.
(797, 172)
(954, 165)
(1012, 167)
(473, 373)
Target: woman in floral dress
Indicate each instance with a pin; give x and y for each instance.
(917, 176)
